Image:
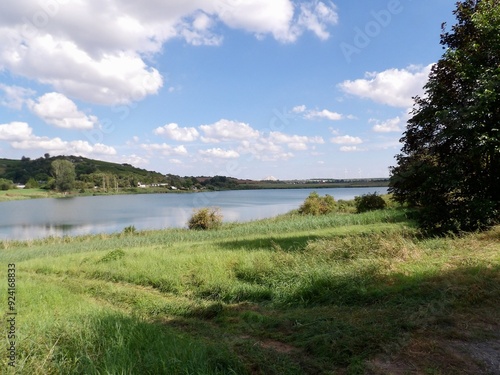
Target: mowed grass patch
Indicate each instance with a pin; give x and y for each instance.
(63, 332)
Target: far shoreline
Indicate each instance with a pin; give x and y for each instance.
(25, 194)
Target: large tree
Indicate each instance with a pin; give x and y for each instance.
(64, 174)
(449, 167)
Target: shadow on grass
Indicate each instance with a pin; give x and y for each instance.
(344, 321)
(290, 243)
(328, 323)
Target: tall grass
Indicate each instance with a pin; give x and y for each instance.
(288, 295)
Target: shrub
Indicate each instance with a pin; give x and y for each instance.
(32, 184)
(205, 218)
(129, 230)
(316, 205)
(6, 184)
(369, 202)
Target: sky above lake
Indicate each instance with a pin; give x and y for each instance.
(241, 88)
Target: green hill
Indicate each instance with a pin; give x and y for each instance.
(88, 172)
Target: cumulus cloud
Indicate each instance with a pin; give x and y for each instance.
(220, 153)
(314, 114)
(294, 142)
(281, 18)
(173, 131)
(15, 131)
(299, 109)
(349, 148)
(164, 149)
(394, 87)
(387, 126)
(56, 109)
(135, 160)
(100, 50)
(346, 139)
(323, 114)
(227, 130)
(20, 136)
(15, 97)
(244, 139)
(316, 16)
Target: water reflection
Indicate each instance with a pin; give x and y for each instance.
(38, 218)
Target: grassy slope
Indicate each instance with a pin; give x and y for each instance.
(292, 295)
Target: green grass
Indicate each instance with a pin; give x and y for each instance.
(20, 194)
(341, 293)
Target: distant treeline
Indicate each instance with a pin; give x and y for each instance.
(97, 174)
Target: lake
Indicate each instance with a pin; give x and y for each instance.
(38, 218)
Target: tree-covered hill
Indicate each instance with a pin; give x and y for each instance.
(89, 172)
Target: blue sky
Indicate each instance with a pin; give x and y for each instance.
(242, 88)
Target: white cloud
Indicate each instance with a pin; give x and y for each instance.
(15, 131)
(299, 109)
(394, 87)
(349, 148)
(220, 153)
(102, 149)
(58, 146)
(387, 126)
(135, 160)
(198, 31)
(56, 109)
(279, 17)
(313, 114)
(316, 16)
(15, 96)
(346, 139)
(227, 130)
(164, 149)
(173, 131)
(297, 146)
(323, 114)
(20, 135)
(294, 142)
(99, 51)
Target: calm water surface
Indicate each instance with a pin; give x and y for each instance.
(39, 218)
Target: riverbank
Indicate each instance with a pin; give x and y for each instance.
(341, 293)
(22, 194)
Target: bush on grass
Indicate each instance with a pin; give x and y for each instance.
(205, 218)
(316, 205)
(369, 202)
(6, 184)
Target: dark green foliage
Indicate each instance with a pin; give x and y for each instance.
(369, 202)
(450, 161)
(32, 184)
(6, 184)
(316, 205)
(205, 218)
(91, 172)
(129, 230)
(220, 182)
